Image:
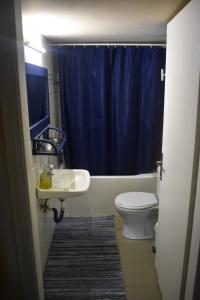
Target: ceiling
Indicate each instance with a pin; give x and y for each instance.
(65, 21)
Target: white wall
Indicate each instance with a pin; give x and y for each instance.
(100, 197)
(46, 224)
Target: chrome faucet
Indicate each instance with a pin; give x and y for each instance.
(51, 167)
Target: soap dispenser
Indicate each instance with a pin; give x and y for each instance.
(45, 179)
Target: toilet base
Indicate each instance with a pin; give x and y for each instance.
(139, 225)
(128, 234)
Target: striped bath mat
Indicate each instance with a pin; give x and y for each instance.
(83, 262)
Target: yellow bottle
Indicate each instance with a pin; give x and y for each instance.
(45, 179)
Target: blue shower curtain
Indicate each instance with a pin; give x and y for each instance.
(112, 108)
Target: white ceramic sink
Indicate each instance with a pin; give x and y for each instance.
(66, 183)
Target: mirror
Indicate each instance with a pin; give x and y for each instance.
(38, 98)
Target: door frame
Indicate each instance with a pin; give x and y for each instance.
(20, 259)
(193, 270)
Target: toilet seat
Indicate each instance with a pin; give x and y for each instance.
(136, 200)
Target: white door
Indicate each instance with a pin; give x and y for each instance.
(180, 149)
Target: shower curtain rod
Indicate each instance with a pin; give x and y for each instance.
(111, 44)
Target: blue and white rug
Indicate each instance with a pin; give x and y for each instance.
(83, 261)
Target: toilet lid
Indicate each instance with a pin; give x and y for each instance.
(136, 200)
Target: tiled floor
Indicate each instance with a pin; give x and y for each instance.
(137, 261)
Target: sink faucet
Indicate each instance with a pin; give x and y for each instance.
(51, 167)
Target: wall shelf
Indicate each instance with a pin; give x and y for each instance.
(50, 141)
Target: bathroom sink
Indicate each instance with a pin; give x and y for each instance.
(66, 183)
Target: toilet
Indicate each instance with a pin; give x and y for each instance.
(139, 211)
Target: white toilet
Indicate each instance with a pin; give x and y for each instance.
(139, 211)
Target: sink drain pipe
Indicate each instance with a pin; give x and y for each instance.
(58, 218)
